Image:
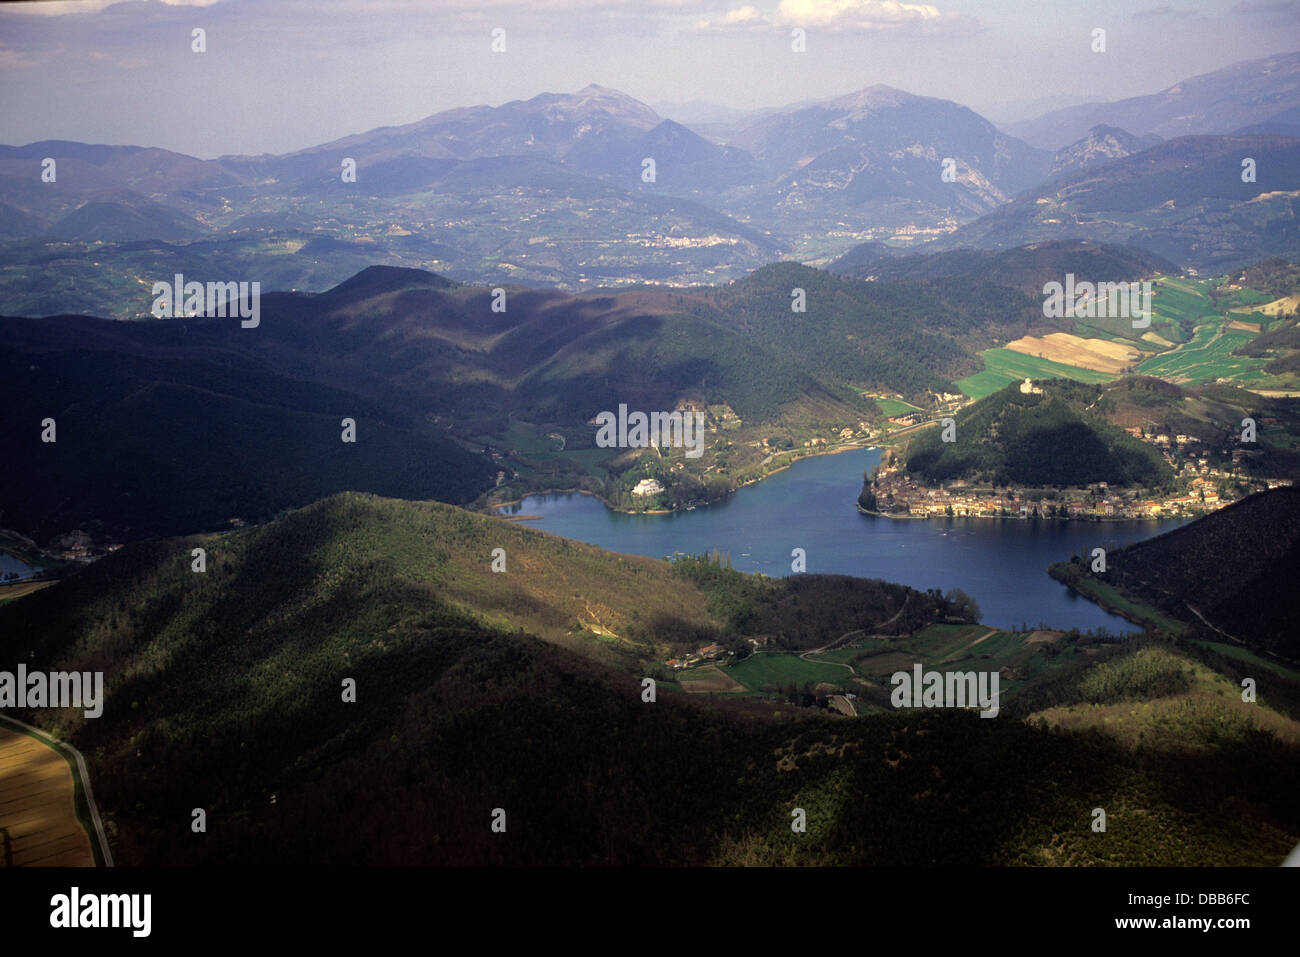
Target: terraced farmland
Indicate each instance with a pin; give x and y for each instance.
(1179, 299)
(1207, 357)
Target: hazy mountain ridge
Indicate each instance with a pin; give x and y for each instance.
(1243, 94)
(1184, 200)
(556, 190)
(1101, 145)
(1026, 268)
(570, 165)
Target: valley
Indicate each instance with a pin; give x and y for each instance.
(803, 471)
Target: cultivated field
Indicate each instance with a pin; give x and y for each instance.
(710, 680)
(893, 407)
(1278, 307)
(38, 819)
(1100, 355)
(775, 671)
(1154, 339)
(1003, 366)
(1206, 358)
(19, 589)
(1178, 299)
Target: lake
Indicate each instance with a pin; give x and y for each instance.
(10, 564)
(1002, 563)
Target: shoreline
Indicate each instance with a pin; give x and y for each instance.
(1095, 519)
(1104, 605)
(493, 509)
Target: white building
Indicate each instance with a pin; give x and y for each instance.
(648, 486)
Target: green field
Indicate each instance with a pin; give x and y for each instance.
(1207, 357)
(1086, 330)
(1112, 599)
(894, 407)
(1002, 367)
(775, 671)
(1178, 299)
(1242, 654)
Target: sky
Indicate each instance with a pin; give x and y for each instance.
(281, 75)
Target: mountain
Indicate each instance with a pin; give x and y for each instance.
(1183, 200)
(576, 190)
(879, 152)
(1182, 573)
(87, 172)
(913, 336)
(594, 132)
(160, 433)
(1101, 145)
(544, 191)
(1241, 95)
(523, 691)
(556, 190)
(429, 371)
(125, 220)
(1026, 268)
(14, 223)
(1037, 440)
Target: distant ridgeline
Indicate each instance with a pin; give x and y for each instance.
(1035, 440)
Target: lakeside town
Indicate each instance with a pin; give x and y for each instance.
(1201, 486)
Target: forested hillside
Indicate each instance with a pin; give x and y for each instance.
(1038, 440)
(225, 691)
(1230, 574)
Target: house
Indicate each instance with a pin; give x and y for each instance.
(647, 486)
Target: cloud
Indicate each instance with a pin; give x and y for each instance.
(846, 16)
(742, 18)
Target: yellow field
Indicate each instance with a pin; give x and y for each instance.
(715, 682)
(18, 590)
(1158, 340)
(1248, 326)
(37, 807)
(1100, 355)
(1278, 307)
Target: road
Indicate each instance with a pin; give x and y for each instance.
(63, 748)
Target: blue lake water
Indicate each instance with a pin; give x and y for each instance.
(1002, 563)
(10, 564)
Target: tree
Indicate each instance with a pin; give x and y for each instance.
(962, 605)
